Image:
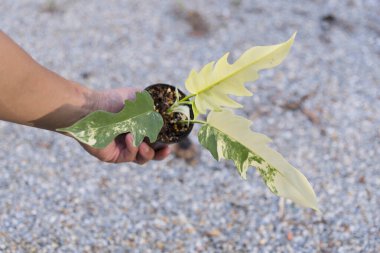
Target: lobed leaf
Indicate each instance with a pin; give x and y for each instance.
(216, 81)
(100, 128)
(235, 141)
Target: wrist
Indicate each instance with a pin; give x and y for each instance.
(76, 102)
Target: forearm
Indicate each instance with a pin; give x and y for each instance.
(32, 95)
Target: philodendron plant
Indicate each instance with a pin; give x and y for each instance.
(162, 113)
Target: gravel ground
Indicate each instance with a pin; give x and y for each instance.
(321, 108)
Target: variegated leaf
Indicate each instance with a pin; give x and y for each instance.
(100, 128)
(235, 141)
(216, 81)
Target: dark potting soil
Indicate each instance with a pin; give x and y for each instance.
(164, 96)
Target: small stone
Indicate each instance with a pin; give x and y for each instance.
(190, 230)
(214, 233)
(160, 245)
(289, 236)
(262, 242)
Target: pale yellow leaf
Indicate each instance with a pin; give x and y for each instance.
(216, 81)
(229, 136)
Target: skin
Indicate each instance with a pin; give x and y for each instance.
(34, 96)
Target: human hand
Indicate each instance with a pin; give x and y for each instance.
(122, 149)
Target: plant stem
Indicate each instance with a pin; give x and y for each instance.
(184, 102)
(193, 121)
(187, 97)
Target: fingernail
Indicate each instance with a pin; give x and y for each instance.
(145, 148)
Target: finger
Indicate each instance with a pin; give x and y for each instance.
(145, 154)
(162, 153)
(129, 153)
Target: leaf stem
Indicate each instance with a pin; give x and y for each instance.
(193, 121)
(184, 102)
(187, 97)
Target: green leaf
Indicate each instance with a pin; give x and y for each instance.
(229, 136)
(100, 128)
(215, 82)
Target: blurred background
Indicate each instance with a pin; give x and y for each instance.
(321, 107)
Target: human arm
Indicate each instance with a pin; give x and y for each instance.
(34, 96)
